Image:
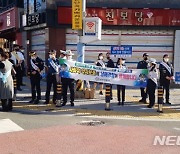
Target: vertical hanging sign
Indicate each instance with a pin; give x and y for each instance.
(77, 14)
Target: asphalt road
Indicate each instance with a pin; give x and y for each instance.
(37, 130)
(43, 131)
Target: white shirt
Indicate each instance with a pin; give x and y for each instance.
(153, 75)
(20, 55)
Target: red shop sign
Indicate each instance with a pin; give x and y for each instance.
(8, 19)
(135, 17)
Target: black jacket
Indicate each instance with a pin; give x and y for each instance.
(164, 73)
(142, 65)
(110, 63)
(38, 62)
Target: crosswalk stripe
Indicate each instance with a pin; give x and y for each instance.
(6, 125)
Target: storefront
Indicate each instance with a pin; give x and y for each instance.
(9, 28)
(146, 30)
(40, 24)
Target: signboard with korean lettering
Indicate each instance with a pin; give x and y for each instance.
(8, 19)
(177, 77)
(121, 51)
(35, 19)
(137, 17)
(76, 14)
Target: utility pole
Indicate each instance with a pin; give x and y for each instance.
(80, 44)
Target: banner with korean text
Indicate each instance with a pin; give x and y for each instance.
(82, 71)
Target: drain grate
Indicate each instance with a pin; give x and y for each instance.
(91, 123)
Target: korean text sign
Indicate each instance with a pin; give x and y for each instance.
(82, 71)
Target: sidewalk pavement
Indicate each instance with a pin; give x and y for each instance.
(96, 106)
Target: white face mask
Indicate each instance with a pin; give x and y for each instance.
(50, 56)
(69, 57)
(101, 57)
(33, 57)
(123, 62)
(166, 59)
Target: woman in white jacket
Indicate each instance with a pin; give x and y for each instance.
(152, 82)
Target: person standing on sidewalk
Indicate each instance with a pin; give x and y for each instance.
(152, 82)
(121, 88)
(143, 65)
(18, 58)
(36, 65)
(52, 66)
(100, 63)
(166, 75)
(6, 81)
(110, 64)
(67, 82)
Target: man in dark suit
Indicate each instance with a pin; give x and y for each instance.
(143, 65)
(166, 75)
(110, 64)
(36, 65)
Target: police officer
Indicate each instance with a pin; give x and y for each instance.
(152, 82)
(121, 88)
(36, 65)
(67, 82)
(166, 75)
(110, 64)
(143, 65)
(52, 66)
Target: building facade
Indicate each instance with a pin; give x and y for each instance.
(150, 26)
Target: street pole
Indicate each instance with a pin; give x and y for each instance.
(80, 45)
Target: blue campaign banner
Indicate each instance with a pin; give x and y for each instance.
(122, 51)
(177, 77)
(82, 71)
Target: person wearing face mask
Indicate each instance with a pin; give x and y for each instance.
(152, 82)
(6, 81)
(100, 63)
(110, 64)
(18, 58)
(166, 76)
(68, 82)
(36, 65)
(143, 65)
(23, 65)
(52, 69)
(121, 88)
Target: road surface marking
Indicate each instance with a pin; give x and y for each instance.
(6, 125)
(175, 128)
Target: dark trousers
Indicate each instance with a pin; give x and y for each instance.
(121, 93)
(166, 88)
(51, 80)
(35, 86)
(151, 92)
(144, 93)
(7, 104)
(65, 84)
(18, 76)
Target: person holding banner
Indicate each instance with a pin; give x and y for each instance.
(36, 65)
(110, 64)
(121, 88)
(52, 66)
(100, 63)
(68, 82)
(143, 65)
(166, 75)
(152, 81)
